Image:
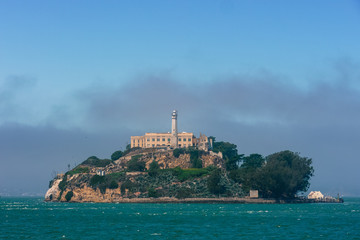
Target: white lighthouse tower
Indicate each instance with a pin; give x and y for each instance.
(174, 130)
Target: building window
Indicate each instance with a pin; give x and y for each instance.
(184, 139)
(163, 139)
(158, 139)
(179, 145)
(179, 139)
(168, 139)
(153, 145)
(148, 139)
(189, 139)
(153, 139)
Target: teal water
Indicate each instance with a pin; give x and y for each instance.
(31, 218)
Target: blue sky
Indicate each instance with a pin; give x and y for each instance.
(266, 75)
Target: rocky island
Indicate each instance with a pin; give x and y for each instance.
(178, 167)
(182, 175)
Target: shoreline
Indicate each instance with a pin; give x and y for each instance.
(211, 200)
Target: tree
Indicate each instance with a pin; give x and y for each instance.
(195, 158)
(230, 154)
(213, 182)
(96, 162)
(116, 155)
(154, 168)
(252, 161)
(248, 172)
(135, 165)
(284, 174)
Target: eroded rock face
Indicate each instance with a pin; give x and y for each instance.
(53, 191)
(82, 191)
(208, 160)
(166, 160)
(88, 194)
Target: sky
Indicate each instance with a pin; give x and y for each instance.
(78, 78)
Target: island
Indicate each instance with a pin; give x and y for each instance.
(178, 167)
(184, 175)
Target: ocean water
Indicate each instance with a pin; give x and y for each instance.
(32, 218)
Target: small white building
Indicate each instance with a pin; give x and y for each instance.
(315, 195)
(100, 172)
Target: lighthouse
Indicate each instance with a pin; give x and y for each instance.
(174, 130)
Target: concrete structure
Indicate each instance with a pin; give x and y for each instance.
(174, 131)
(315, 195)
(164, 140)
(174, 139)
(100, 172)
(254, 193)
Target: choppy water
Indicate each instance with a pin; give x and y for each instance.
(31, 218)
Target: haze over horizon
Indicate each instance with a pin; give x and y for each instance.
(79, 78)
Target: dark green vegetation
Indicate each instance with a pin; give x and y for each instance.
(188, 174)
(109, 181)
(179, 183)
(230, 154)
(94, 161)
(135, 164)
(69, 195)
(279, 175)
(195, 155)
(78, 169)
(214, 183)
(116, 155)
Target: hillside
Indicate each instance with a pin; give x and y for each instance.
(183, 174)
(146, 173)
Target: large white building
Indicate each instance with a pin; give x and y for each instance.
(172, 139)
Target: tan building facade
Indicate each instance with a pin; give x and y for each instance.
(153, 140)
(174, 139)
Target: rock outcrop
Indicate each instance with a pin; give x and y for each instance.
(175, 179)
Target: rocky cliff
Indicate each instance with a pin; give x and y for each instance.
(145, 174)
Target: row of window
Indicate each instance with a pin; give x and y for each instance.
(163, 139)
(157, 145)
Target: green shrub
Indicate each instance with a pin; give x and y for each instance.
(69, 195)
(195, 158)
(154, 169)
(127, 185)
(96, 162)
(116, 176)
(186, 174)
(78, 170)
(152, 193)
(113, 185)
(63, 183)
(178, 151)
(214, 183)
(109, 181)
(116, 155)
(183, 193)
(135, 165)
(96, 180)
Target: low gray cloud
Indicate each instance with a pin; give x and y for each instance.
(12, 89)
(30, 155)
(261, 114)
